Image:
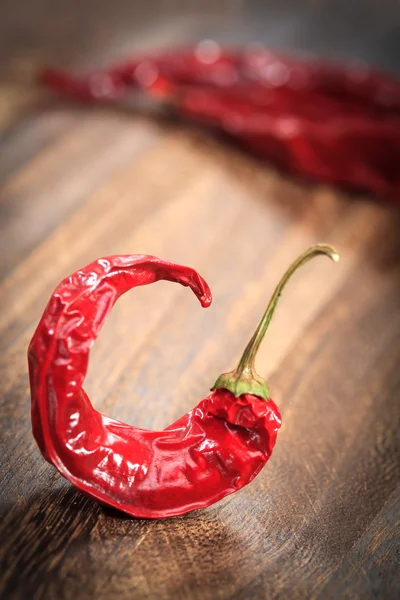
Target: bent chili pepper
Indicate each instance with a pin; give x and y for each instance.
(212, 451)
(330, 123)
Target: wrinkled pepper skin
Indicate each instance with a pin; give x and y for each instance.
(212, 451)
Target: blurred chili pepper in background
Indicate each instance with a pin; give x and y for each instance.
(326, 122)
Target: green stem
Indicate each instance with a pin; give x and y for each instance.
(244, 378)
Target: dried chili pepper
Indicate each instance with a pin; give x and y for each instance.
(215, 449)
(330, 123)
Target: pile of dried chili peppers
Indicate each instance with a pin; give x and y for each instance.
(330, 123)
(212, 451)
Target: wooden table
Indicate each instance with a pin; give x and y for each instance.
(321, 520)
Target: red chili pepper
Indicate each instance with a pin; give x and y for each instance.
(330, 123)
(214, 450)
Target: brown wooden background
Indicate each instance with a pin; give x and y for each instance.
(321, 520)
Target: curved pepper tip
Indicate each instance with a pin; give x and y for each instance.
(201, 289)
(206, 300)
(204, 294)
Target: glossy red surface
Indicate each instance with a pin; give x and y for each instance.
(215, 449)
(332, 123)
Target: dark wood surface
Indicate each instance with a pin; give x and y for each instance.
(321, 520)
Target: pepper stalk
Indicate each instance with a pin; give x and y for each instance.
(244, 379)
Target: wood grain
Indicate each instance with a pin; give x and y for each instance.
(321, 520)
